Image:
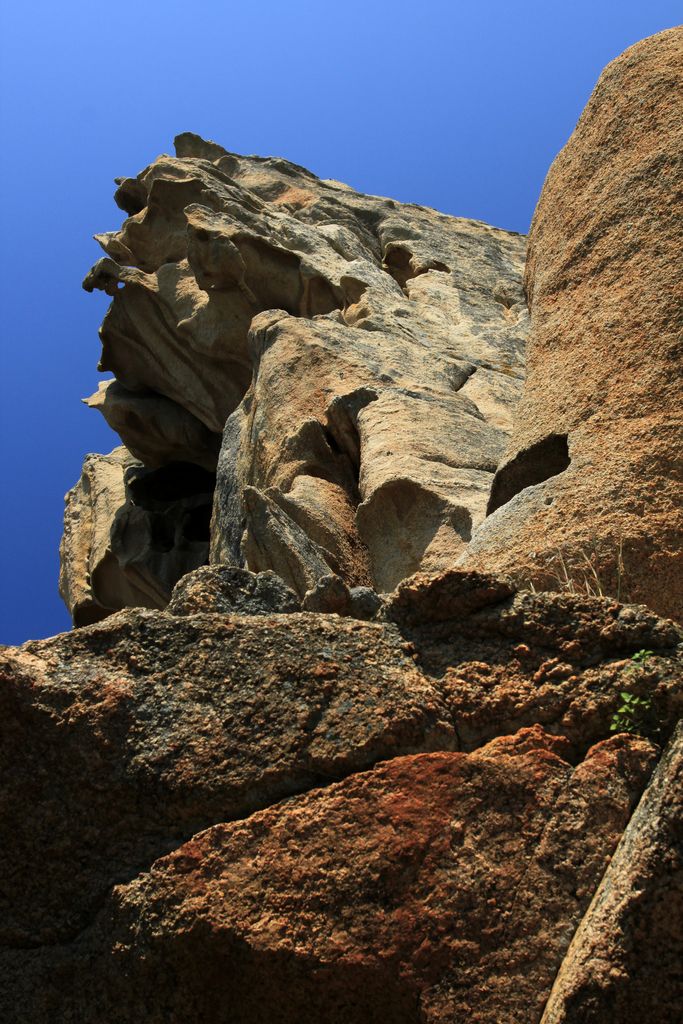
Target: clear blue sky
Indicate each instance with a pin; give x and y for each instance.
(460, 106)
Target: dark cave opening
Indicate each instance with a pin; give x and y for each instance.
(172, 482)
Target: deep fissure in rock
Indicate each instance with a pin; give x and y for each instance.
(534, 465)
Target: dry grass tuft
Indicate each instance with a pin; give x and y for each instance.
(598, 571)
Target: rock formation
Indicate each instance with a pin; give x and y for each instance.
(624, 961)
(131, 532)
(360, 357)
(331, 743)
(591, 486)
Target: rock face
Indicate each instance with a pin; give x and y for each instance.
(326, 767)
(393, 895)
(593, 472)
(130, 533)
(155, 430)
(149, 728)
(365, 354)
(624, 963)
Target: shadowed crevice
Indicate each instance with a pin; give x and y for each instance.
(534, 465)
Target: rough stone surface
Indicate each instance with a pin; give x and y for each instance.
(506, 660)
(223, 588)
(329, 595)
(433, 888)
(146, 728)
(366, 355)
(603, 403)
(625, 961)
(365, 766)
(91, 581)
(131, 533)
(154, 429)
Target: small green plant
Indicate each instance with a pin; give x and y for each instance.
(636, 714)
(640, 657)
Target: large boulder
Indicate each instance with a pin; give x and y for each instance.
(624, 962)
(433, 888)
(589, 495)
(149, 726)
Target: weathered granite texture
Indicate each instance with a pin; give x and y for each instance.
(433, 887)
(148, 727)
(222, 588)
(130, 533)
(341, 774)
(154, 429)
(594, 471)
(625, 961)
(366, 355)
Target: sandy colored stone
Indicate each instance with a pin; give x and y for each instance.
(90, 576)
(432, 888)
(360, 770)
(131, 533)
(153, 428)
(602, 408)
(248, 290)
(625, 960)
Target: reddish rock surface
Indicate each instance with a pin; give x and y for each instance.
(625, 963)
(121, 740)
(594, 471)
(433, 888)
(146, 728)
(505, 660)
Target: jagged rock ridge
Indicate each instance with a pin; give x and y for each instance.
(365, 354)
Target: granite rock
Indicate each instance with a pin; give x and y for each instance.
(431, 888)
(361, 357)
(130, 533)
(589, 493)
(225, 589)
(146, 728)
(624, 962)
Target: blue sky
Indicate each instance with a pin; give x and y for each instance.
(459, 106)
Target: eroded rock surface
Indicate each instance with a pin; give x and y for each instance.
(130, 533)
(222, 588)
(153, 429)
(624, 963)
(149, 726)
(505, 660)
(366, 355)
(342, 773)
(591, 485)
(430, 888)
